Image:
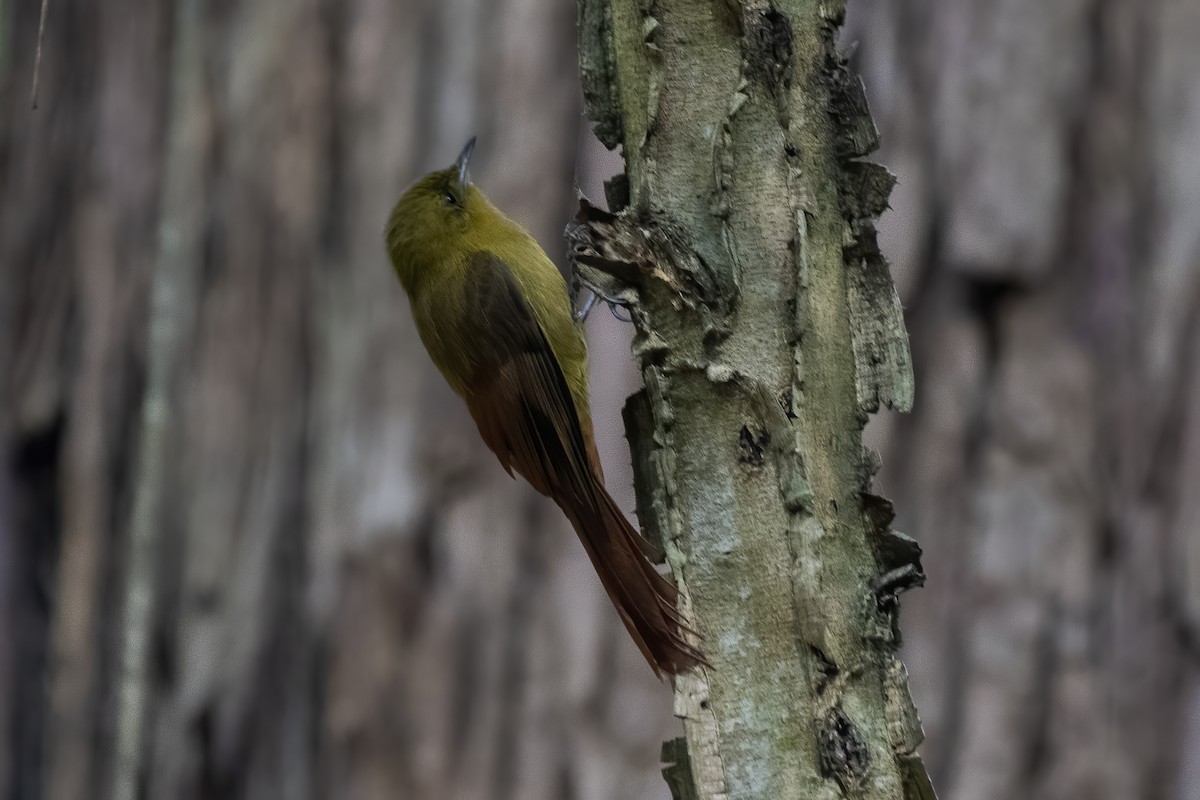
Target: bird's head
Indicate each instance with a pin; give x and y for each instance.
(430, 221)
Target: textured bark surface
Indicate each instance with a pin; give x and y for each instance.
(767, 330)
(1046, 248)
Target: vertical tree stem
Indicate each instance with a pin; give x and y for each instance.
(768, 329)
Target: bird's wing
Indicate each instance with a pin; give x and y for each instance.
(525, 413)
(519, 397)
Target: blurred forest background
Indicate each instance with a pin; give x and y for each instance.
(354, 602)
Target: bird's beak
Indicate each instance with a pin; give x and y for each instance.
(461, 163)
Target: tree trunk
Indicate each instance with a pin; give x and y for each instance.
(767, 330)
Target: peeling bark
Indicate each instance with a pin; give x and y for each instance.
(767, 330)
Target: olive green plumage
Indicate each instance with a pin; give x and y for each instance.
(432, 242)
(495, 316)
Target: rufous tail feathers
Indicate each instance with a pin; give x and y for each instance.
(644, 599)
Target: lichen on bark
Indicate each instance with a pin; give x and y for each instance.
(767, 329)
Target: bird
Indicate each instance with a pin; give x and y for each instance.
(495, 316)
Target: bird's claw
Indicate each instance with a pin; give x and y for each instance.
(613, 304)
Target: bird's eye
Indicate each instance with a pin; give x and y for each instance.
(449, 198)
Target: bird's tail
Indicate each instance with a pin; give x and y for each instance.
(644, 599)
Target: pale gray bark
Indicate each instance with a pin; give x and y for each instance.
(768, 329)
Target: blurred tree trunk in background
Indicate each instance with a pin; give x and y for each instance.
(1046, 242)
(355, 602)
